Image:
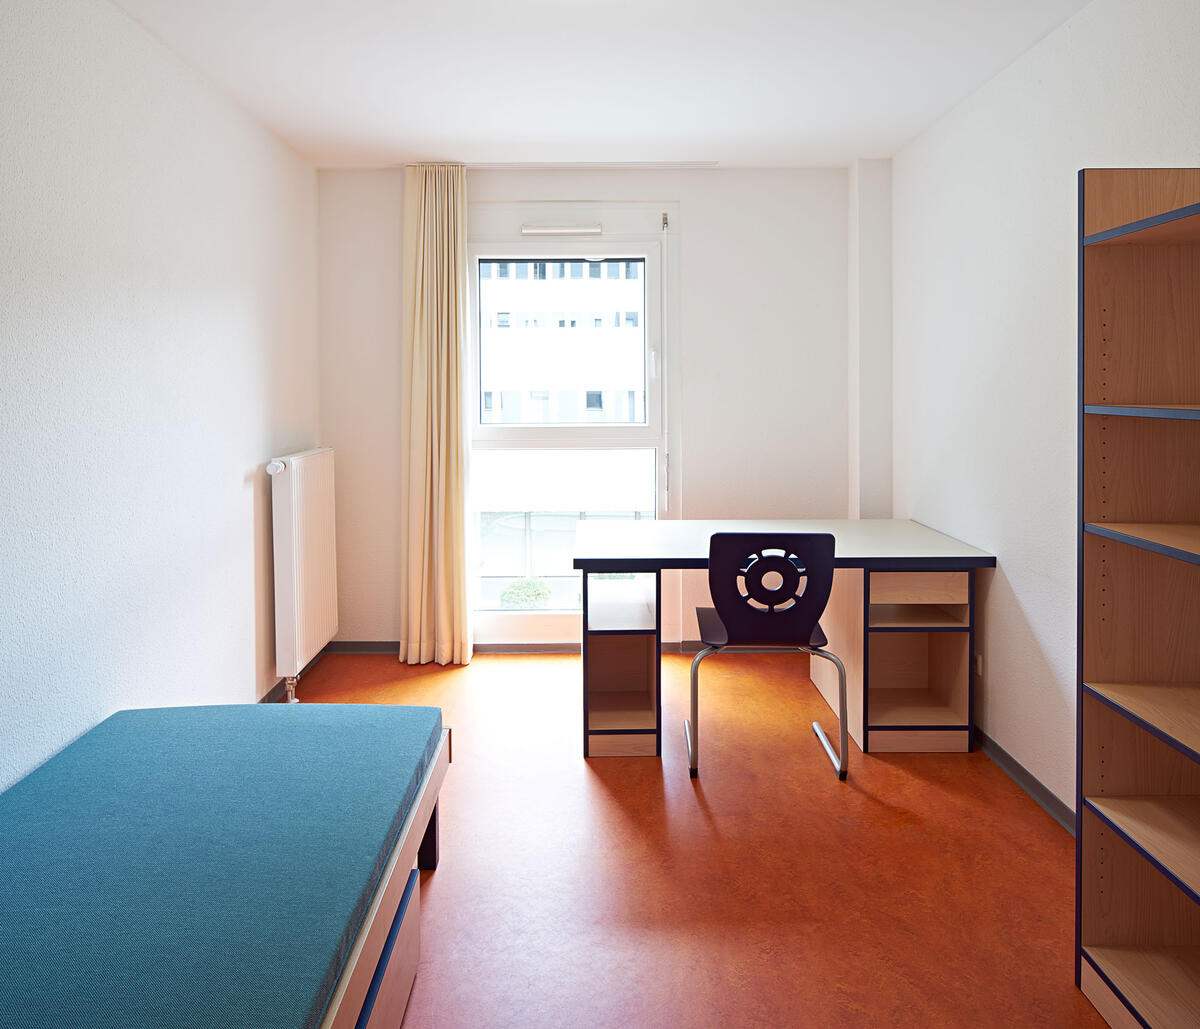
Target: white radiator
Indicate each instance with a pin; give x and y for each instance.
(302, 519)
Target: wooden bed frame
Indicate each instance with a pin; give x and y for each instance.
(382, 964)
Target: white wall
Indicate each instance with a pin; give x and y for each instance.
(985, 323)
(157, 345)
(758, 369)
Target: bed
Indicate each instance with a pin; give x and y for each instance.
(246, 865)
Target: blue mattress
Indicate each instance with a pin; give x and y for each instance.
(203, 866)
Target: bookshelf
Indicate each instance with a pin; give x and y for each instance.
(1138, 744)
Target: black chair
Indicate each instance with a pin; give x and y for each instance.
(770, 590)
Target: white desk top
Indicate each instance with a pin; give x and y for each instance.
(880, 544)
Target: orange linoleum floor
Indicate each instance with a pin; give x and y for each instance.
(927, 890)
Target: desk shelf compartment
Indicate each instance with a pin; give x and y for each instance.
(622, 603)
(918, 617)
(621, 686)
(918, 661)
(918, 697)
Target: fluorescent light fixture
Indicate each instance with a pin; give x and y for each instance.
(562, 230)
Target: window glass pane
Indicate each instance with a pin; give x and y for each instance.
(502, 543)
(565, 368)
(552, 535)
(527, 506)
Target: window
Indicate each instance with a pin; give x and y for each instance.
(567, 423)
(502, 271)
(522, 270)
(502, 319)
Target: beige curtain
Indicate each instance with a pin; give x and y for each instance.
(433, 566)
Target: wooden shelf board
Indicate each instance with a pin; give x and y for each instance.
(1182, 412)
(1166, 828)
(621, 605)
(917, 616)
(1178, 227)
(1173, 539)
(1173, 708)
(620, 709)
(910, 707)
(1163, 983)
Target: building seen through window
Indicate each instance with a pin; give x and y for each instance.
(547, 346)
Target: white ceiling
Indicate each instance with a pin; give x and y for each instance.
(758, 82)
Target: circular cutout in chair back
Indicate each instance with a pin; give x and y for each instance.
(771, 581)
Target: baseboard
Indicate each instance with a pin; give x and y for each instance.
(1046, 800)
(363, 647)
(526, 648)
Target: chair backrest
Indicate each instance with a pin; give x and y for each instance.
(770, 588)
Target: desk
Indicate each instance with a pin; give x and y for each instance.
(901, 616)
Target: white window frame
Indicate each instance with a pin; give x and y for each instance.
(630, 232)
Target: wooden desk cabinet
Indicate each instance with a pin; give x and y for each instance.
(906, 639)
(622, 674)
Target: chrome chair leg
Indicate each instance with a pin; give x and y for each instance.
(838, 759)
(691, 727)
